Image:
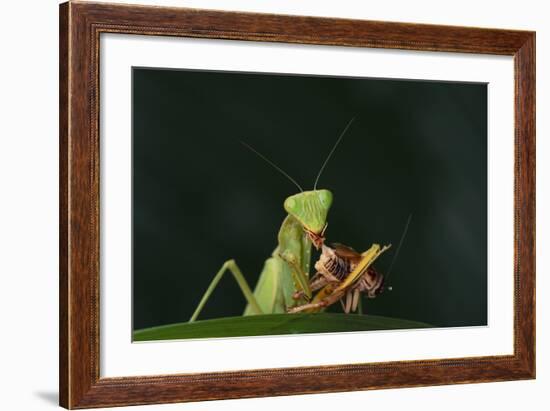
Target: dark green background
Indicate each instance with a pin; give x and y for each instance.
(200, 197)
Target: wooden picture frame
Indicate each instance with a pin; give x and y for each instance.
(80, 27)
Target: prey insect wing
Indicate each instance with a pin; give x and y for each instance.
(345, 251)
(369, 257)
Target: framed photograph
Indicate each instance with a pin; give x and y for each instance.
(258, 205)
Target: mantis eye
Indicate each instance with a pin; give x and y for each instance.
(290, 204)
(325, 197)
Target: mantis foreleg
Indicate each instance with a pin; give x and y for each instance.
(232, 267)
(295, 250)
(300, 277)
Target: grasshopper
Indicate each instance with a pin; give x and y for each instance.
(284, 281)
(343, 272)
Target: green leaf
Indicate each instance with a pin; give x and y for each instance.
(274, 324)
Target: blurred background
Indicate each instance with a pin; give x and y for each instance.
(201, 198)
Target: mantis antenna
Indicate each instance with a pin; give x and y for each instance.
(272, 164)
(399, 245)
(330, 154)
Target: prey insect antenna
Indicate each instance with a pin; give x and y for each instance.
(331, 152)
(271, 163)
(399, 245)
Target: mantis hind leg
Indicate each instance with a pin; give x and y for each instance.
(232, 267)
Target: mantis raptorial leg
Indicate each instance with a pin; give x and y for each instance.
(232, 267)
(299, 276)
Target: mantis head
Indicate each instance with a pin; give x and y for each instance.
(310, 208)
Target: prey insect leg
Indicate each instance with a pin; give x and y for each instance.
(349, 298)
(325, 302)
(355, 303)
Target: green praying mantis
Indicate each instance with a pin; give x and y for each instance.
(284, 284)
